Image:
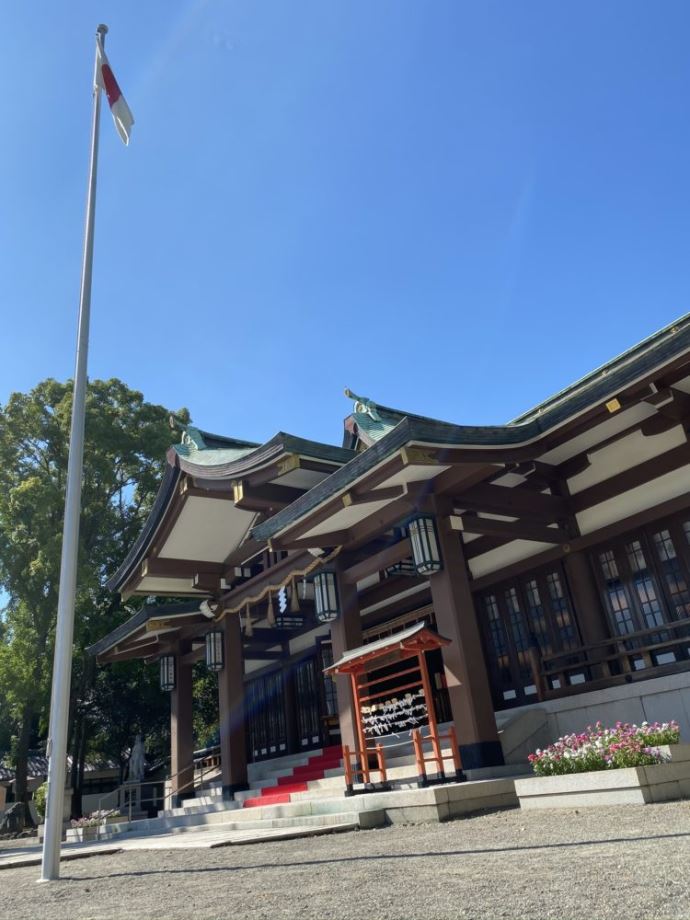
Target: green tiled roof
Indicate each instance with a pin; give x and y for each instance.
(375, 429)
(386, 437)
(204, 449)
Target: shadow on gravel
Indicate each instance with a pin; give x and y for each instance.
(429, 854)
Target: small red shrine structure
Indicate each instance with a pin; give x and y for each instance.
(391, 693)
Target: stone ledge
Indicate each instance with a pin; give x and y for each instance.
(629, 786)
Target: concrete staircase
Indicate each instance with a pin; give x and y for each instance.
(305, 793)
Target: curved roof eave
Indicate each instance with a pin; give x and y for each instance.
(665, 345)
(262, 455)
(135, 622)
(166, 490)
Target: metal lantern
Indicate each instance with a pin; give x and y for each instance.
(425, 549)
(167, 672)
(326, 597)
(214, 650)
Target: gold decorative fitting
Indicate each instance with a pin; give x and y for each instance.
(613, 405)
(238, 491)
(288, 464)
(417, 456)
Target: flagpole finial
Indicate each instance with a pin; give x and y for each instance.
(102, 30)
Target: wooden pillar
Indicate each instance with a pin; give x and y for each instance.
(589, 612)
(346, 634)
(290, 704)
(181, 729)
(233, 745)
(466, 675)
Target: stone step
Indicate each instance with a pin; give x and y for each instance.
(412, 805)
(234, 810)
(284, 764)
(170, 826)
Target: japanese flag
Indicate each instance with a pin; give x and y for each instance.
(105, 79)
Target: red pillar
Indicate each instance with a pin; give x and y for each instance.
(233, 745)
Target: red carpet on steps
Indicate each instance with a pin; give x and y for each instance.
(297, 781)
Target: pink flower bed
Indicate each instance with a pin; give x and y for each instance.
(600, 748)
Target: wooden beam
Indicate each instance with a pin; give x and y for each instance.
(138, 650)
(609, 532)
(378, 562)
(178, 568)
(672, 403)
(447, 456)
(314, 541)
(375, 495)
(158, 623)
(193, 491)
(277, 573)
(388, 589)
(536, 469)
(512, 502)
(206, 582)
(636, 476)
(657, 424)
(514, 530)
(464, 477)
(268, 497)
(263, 637)
(244, 553)
(196, 654)
(251, 654)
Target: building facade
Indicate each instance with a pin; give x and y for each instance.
(553, 553)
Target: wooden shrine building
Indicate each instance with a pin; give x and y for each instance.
(553, 553)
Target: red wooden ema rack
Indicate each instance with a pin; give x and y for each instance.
(360, 664)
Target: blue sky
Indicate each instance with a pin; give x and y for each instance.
(454, 208)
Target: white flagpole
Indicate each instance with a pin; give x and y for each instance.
(64, 632)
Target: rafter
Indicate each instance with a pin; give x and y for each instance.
(514, 530)
(495, 499)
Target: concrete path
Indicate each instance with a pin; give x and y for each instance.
(198, 838)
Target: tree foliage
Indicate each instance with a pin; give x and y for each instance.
(125, 441)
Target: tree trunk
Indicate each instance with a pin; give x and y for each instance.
(21, 763)
(78, 755)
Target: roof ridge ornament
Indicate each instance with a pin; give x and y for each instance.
(190, 436)
(363, 405)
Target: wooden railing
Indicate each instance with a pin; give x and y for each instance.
(437, 756)
(610, 661)
(358, 769)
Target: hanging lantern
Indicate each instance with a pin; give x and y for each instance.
(167, 665)
(326, 597)
(214, 650)
(425, 549)
(270, 612)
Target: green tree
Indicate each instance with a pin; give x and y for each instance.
(125, 439)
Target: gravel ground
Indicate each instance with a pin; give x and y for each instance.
(627, 862)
